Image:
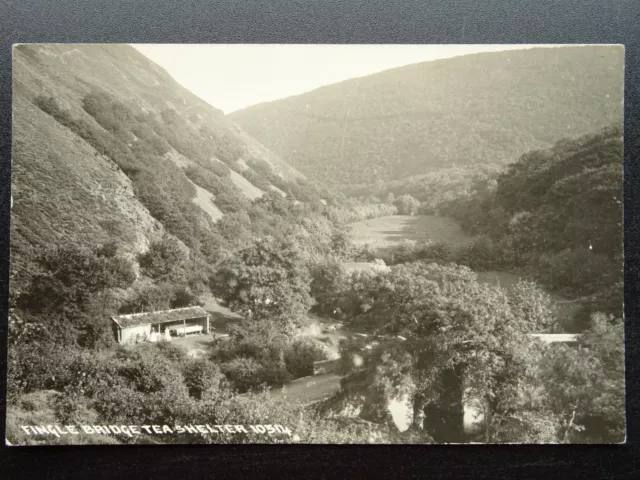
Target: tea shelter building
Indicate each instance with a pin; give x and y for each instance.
(149, 326)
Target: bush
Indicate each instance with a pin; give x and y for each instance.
(482, 254)
(230, 202)
(203, 377)
(353, 355)
(249, 374)
(407, 205)
(578, 272)
(34, 367)
(608, 301)
(300, 355)
(256, 180)
(220, 169)
(147, 371)
(164, 258)
(436, 252)
(67, 406)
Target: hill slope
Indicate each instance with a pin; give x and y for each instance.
(559, 213)
(486, 108)
(107, 145)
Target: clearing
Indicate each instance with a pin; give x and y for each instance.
(204, 199)
(250, 191)
(221, 317)
(384, 232)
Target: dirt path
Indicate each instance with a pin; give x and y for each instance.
(309, 390)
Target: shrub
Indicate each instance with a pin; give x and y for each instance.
(437, 252)
(33, 367)
(482, 254)
(67, 406)
(230, 202)
(163, 258)
(256, 180)
(300, 355)
(147, 371)
(249, 374)
(407, 205)
(353, 355)
(578, 272)
(203, 377)
(220, 169)
(608, 301)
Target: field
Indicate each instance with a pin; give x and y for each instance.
(384, 232)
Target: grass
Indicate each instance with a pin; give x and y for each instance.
(204, 199)
(245, 186)
(391, 231)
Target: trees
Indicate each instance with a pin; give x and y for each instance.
(446, 339)
(162, 296)
(585, 384)
(328, 284)
(457, 336)
(266, 280)
(164, 260)
(407, 205)
(72, 287)
(558, 212)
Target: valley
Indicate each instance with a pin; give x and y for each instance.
(335, 287)
(384, 233)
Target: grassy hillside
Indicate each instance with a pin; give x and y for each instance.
(486, 108)
(107, 146)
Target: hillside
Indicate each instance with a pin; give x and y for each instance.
(107, 146)
(480, 109)
(558, 213)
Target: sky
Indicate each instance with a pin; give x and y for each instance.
(232, 77)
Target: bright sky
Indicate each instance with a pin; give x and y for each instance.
(231, 77)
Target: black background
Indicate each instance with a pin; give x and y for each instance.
(331, 21)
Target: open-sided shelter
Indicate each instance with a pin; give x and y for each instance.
(138, 327)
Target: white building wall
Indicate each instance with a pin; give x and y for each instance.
(130, 333)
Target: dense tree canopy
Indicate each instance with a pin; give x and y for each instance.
(267, 280)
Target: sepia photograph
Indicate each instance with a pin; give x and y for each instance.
(316, 244)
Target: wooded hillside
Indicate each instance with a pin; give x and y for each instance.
(479, 109)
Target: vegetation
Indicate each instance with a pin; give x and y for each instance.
(559, 213)
(437, 336)
(452, 338)
(67, 300)
(267, 281)
(483, 109)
